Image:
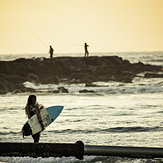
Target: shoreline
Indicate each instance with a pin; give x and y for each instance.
(70, 70)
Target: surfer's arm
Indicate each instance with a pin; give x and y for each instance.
(41, 106)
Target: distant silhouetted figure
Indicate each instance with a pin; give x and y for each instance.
(51, 51)
(86, 50)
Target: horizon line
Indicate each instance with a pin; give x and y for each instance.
(82, 52)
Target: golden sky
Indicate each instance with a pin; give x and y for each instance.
(30, 26)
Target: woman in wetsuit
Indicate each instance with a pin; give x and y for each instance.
(32, 107)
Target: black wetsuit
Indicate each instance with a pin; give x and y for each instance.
(36, 111)
(51, 52)
(86, 50)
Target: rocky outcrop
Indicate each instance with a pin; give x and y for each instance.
(60, 90)
(68, 69)
(86, 91)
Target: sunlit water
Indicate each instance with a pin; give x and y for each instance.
(116, 114)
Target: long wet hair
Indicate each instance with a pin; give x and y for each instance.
(31, 101)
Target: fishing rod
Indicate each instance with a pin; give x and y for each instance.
(75, 44)
(40, 40)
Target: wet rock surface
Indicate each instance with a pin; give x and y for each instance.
(69, 70)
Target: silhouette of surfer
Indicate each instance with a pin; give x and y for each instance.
(86, 50)
(33, 107)
(51, 51)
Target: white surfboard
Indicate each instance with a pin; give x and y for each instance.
(32, 126)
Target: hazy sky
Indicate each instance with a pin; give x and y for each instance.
(106, 25)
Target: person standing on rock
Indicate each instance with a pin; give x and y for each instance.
(51, 51)
(86, 50)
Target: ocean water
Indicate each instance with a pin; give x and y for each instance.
(116, 114)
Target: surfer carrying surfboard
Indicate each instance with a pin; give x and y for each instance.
(32, 107)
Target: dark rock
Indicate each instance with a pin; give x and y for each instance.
(116, 61)
(13, 78)
(74, 69)
(6, 86)
(78, 75)
(63, 90)
(88, 79)
(55, 91)
(93, 61)
(153, 75)
(32, 77)
(124, 79)
(86, 91)
(50, 79)
(21, 88)
(16, 91)
(123, 76)
(90, 85)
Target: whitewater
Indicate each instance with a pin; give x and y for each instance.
(116, 114)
